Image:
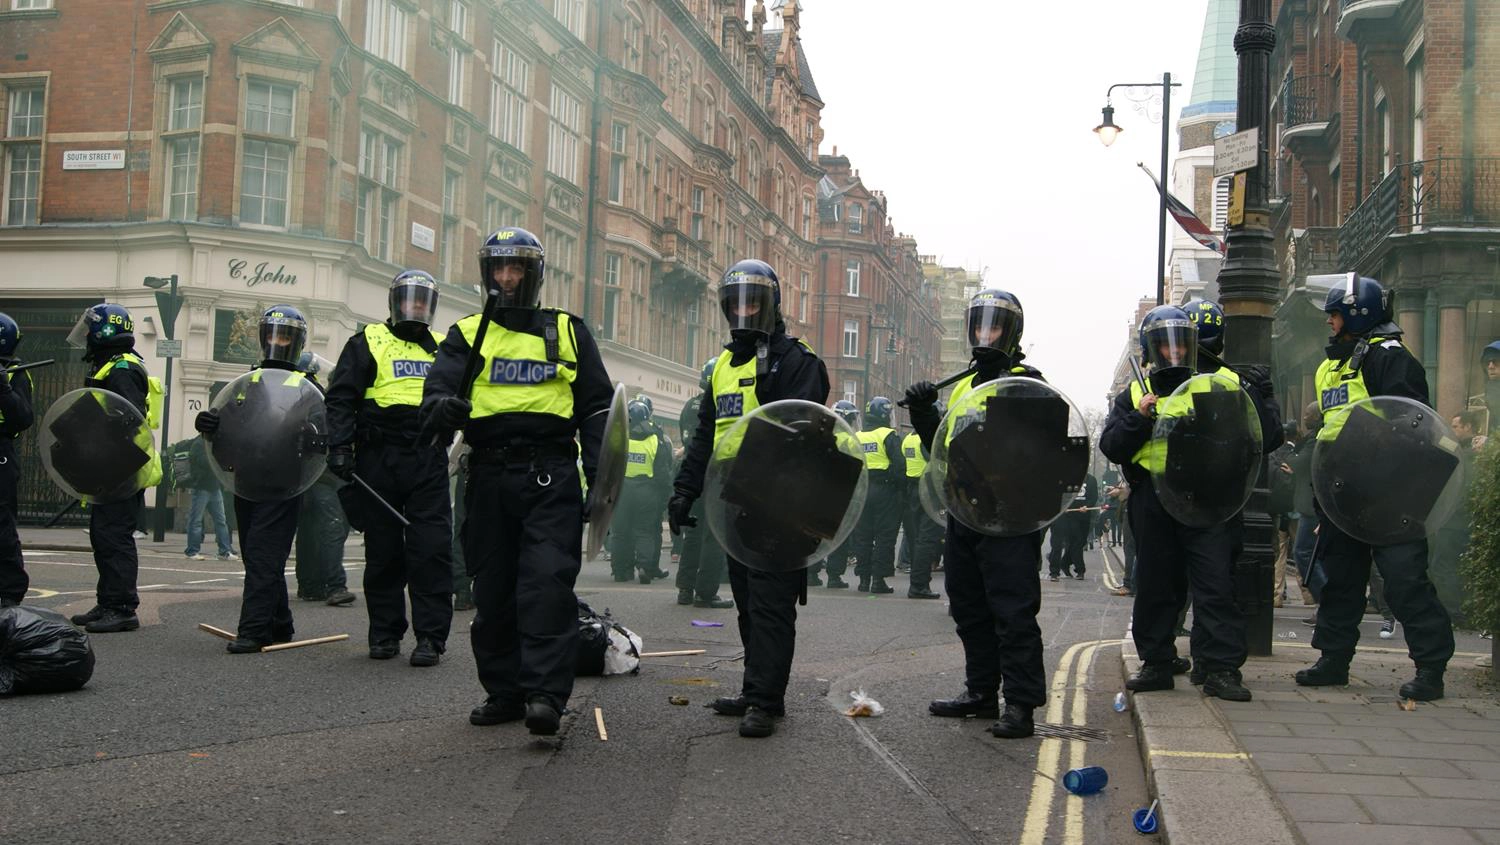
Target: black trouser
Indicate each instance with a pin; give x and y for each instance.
(875, 535)
(321, 532)
(700, 569)
(112, 536)
(1408, 593)
(1069, 533)
(994, 595)
(1172, 561)
(628, 536)
(838, 562)
(924, 539)
(767, 605)
(266, 531)
(414, 559)
(523, 541)
(13, 579)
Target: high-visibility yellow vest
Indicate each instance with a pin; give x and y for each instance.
(516, 376)
(154, 390)
(960, 404)
(733, 391)
(642, 460)
(872, 444)
(400, 367)
(1152, 457)
(911, 449)
(1340, 387)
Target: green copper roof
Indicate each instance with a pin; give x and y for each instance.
(1217, 74)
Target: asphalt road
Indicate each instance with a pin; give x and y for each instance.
(175, 740)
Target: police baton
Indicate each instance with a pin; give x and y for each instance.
(1140, 379)
(19, 367)
(377, 497)
(471, 364)
(956, 377)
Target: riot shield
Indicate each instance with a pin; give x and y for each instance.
(272, 441)
(785, 486)
(1009, 456)
(609, 476)
(97, 446)
(1205, 450)
(929, 497)
(1392, 473)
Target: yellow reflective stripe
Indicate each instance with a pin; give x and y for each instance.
(1338, 388)
(911, 450)
(516, 376)
(733, 391)
(399, 376)
(872, 444)
(641, 462)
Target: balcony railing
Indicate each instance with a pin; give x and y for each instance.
(1316, 250)
(1306, 99)
(1418, 196)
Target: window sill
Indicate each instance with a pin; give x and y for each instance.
(16, 14)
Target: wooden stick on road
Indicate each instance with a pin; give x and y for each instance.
(686, 653)
(218, 632)
(300, 643)
(599, 723)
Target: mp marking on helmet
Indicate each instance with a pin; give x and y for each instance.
(730, 405)
(410, 369)
(508, 371)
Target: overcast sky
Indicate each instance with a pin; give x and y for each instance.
(975, 119)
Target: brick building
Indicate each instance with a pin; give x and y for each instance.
(305, 151)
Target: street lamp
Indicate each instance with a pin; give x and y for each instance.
(1108, 132)
(168, 303)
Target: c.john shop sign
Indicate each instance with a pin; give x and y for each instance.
(260, 273)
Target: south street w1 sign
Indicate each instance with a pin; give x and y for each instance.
(1237, 152)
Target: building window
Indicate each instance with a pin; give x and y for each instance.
(562, 135)
(27, 106)
(851, 391)
(856, 218)
(812, 141)
(1383, 130)
(638, 298)
(562, 268)
(617, 162)
(458, 18)
(509, 91)
(644, 203)
(1220, 217)
(697, 224)
(265, 183)
(851, 338)
(385, 31)
(498, 215)
(456, 58)
(609, 329)
(23, 178)
(630, 55)
(187, 104)
(802, 300)
(21, 5)
(807, 213)
(1414, 74)
(851, 277)
(268, 108)
(375, 209)
(452, 232)
(185, 115)
(571, 13)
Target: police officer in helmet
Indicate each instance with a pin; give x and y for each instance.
(635, 532)
(266, 527)
(701, 566)
(107, 335)
(760, 364)
(991, 582)
(372, 416)
(1365, 357)
(920, 548)
(15, 418)
(539, 384)
(663, 447)
(875, 536)
(838, 562)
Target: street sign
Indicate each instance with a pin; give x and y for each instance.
(1237, 152)
(1237, 201)
(169, 349)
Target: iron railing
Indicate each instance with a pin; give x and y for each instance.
(1307, 99)
(1442, 192)
(1316, 250)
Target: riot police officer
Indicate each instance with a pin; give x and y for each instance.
(701, 567)
(107, 334)
(920, 546)
(266, 527)
(760, 364)
(663, 447)
(372, 418)
(322, 526)
(838, 562)
(991, 581)
(635, 532)
(875, 536)
(15, 417)
(538, 384)
(1365, 357)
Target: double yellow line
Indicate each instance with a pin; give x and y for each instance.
(1076, 661)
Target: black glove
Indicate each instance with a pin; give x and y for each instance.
(923, 393)
(341, 462)
(679, 512)
(453, 412)
(207, 422)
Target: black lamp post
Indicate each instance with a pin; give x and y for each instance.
(168, 303)
(1108, 132)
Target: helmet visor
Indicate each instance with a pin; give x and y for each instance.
(513, 273)
(413, 303)
(1171, 343)
(995, 324)
(281, 340)
(749, 303)
(78, 338)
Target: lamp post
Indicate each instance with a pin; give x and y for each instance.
(168, 303)
(1108, 132)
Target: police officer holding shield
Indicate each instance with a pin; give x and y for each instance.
(875, 538)
(760, 364)
(991, 581)
(1365, 358)
(15, 418)
(635, 534)
(372, 416)
(538, 384)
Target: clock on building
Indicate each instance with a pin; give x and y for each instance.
(1223, 127)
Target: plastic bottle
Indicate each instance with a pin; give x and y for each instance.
(1085, 781)
(1119, 702)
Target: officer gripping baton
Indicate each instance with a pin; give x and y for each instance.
(29, 365)
(1139, 378)
(956, 377)
(377, 497)
(471, 364)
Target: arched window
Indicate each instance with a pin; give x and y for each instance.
(780, 205)
(752, 170)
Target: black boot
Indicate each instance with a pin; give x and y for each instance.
(241, 645)
(1225, 684)
(880, 586)
(1015, 724)
(1426, 686)
(113, 620)
(757, 723)
(714, 602)
(729, 705)
(82, 619)
(542, 716)
(1198, 675)
(385, 649)
(1152, 677)
(427, 653)
(921, 593)
(968, 704)
(1327, 672)
(864, 585)
(1181, 666)
(684, 596)
(837, 583)
(493, 712)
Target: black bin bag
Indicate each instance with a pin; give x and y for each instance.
(41, 653)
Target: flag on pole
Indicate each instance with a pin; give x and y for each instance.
(1185, 218)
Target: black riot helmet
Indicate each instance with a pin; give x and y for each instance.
(750, 296)
(1209, 318)
(10, 337)
(640, 417)
(878, 412)
(105, 326)
(283, 331)
(1169, 341)
(848, 412)
(994, 324)
(706, 375)
(413, 299)
(518, 248)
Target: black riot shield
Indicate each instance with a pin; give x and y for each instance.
(609, 476)
(784, 489)
(272, 441)
(1206, 447)
(97, 447)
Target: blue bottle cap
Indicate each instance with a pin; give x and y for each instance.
(1145, 820)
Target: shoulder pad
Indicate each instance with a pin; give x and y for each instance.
(1392, 344)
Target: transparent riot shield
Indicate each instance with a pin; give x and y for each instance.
(930, 498)
(1389, 472)
(272, 441)
(785, 486)
(1205, 450)
(97, 446)
(609, 476)
(1009, 456)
